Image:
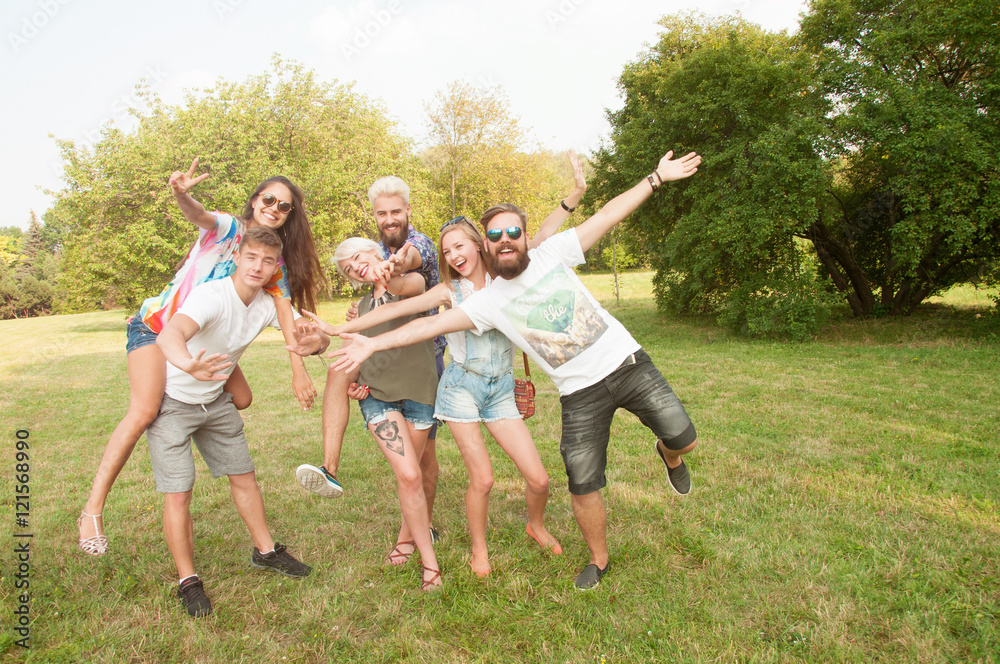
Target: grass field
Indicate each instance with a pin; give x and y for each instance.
(844, 510)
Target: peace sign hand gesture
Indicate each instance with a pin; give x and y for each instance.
(181, 183)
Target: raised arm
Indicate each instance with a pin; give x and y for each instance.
(559, 216)
(432, 299)
(361, 347)
(180, 185)
(622, 205)
(173, 342)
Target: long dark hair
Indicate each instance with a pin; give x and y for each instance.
(305, 273)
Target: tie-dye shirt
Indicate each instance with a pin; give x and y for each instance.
(210, 258)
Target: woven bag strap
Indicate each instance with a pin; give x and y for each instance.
(527, 372)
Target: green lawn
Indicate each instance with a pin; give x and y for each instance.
(844, 510)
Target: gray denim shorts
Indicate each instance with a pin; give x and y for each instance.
(217, 430)
(638, 387)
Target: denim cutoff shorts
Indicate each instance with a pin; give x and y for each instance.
(466, 396)
(420, 415)
(138, 334)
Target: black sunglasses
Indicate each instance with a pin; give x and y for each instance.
(457, 220)
(270, 199)
(494, 234)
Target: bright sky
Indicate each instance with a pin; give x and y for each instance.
(70, 66)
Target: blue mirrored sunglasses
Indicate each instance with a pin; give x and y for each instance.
(494, 234)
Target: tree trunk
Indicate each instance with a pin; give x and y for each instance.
(846, 274)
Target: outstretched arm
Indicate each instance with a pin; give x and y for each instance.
(622, 205)
(559, 216)
(180, 184)
(435, 297)
(361, 347)
(302, 385)
(173, 342)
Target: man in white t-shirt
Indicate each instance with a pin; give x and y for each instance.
(539, 303)
(219, 318)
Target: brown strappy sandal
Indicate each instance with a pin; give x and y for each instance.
(396, 554)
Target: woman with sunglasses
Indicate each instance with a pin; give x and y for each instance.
(478, 385)
(277, 204)
(400, 387)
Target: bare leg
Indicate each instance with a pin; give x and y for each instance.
(515, 439)
(147, 377)
(469, 439)
(250, 505)
(429, 470)
(592, 519)
(178, 531)
(395, 437)
(673, 457)
(238, 386)
(336, 414)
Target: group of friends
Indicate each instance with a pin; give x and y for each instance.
(499, 290)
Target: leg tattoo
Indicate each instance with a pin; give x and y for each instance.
(388, 433)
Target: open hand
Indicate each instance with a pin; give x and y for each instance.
(350, 356)
(331, 330)
(208, 368)
(579, 180)
(307, 338)
(677, 169)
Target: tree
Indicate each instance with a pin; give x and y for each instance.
(916, 204)
(480, 156)
(723, 241)
(123, 235)
(863, 151)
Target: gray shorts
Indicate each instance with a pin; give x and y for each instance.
(636, 386)
(217, 430)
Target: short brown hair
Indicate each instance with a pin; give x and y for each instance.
(500, 209)
(261, 236)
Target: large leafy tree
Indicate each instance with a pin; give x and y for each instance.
(480, 155)
(867, 146)
(122, 233)
(743, 98)
(916, 206)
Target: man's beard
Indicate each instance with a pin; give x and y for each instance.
(507, 269)
(399, 239)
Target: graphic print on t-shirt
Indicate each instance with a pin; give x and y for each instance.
(555, 317)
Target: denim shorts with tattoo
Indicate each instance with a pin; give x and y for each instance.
(420, 415)
(638, 387)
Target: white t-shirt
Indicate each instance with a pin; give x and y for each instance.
(227, 326)
(548, 313)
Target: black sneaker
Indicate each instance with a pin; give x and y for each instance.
(435, 537)
(590, 577)
(280, 561)
(319, 480)
(193, 598)
(679, 477)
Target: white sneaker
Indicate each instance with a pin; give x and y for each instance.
(318, 480)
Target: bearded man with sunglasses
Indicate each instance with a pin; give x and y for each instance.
(539, 303)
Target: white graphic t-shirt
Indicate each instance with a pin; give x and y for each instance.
(548, 313)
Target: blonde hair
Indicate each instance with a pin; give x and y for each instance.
(348, 248)
(390, 185)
